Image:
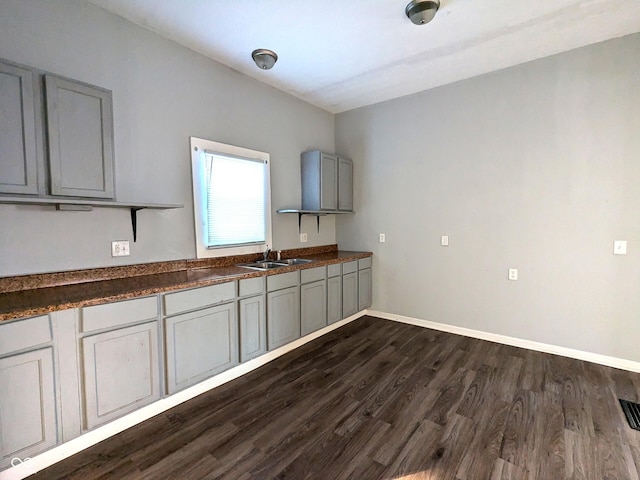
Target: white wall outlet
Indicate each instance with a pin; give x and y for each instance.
(120, 248)
(382, 238)
(444, 240)
(620, 247)
(303, 238)
(513, 274)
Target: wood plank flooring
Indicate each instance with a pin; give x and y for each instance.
(377, 399)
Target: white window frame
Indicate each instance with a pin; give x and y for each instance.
(199, 145)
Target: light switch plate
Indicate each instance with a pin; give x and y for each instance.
(382, 238)
(513, 274)
(620, 247)
(444, 240)
(303, 238)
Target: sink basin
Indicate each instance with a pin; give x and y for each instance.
(293, 261)
(262, 265)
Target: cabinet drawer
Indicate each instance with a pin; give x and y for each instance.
(334, 270)
(284, 280)
(364, 263)
(118, 313)
(313, 274)
(23, 334)
(251, 286)
(198, 297)
(349, 267)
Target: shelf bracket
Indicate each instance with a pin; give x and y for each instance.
(318, 222)
(134, 221)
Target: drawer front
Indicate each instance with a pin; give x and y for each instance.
(349, 267)
(198, 297)
(284, 280)
(251, 286)
(118, 313)
(23, 334)
(313, 274)
(334, 270)
(364, 263)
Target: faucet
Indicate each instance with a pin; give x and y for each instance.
(265, 255)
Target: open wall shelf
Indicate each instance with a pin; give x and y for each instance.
(315, 213)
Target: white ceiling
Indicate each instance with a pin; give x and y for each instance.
(345, 54)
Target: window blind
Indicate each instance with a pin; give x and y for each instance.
(235, 200)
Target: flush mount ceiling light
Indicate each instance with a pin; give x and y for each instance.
(265, 59)
(422, 11)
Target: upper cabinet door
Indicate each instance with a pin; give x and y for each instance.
(345, 184)
(329, 182)
(18, 162)
(80, 138)
(319, 181)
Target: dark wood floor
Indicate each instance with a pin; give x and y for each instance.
(382, 400)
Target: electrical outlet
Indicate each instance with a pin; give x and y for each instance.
(120, 248)
(303, 238)
(620, 247)
(513, 274)
(444, 240)
(382, 238)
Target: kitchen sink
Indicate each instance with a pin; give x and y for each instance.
(293, 261)
(262, 265)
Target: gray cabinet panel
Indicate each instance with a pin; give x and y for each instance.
(119, 313)
(313, 306)
(364, 288)
(282, 280)
(350, 267)
(121, 372)
(349, 294)
(334, 299)
(364, 263)
(18, 158)
(313, 274)
(334, 270)
(80, 138)
(250, 286)
(283, 317)
(253, 327)
(27, 405)
(24, 333)
(345, 184)
(198, 297)
(319, 174)
(200, 344)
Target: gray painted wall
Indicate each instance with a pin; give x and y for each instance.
(162, 93)
(536, 167)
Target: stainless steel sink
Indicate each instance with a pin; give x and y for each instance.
(262, 265)
(293, 261)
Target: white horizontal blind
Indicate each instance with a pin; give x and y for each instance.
(236, 196)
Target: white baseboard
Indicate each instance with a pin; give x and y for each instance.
(615, 362)
(99, 434)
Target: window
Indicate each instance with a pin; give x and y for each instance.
(231, 199)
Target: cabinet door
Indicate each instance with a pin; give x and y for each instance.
(345, 184)
(200, 344)
(18, 162)
(253, 327)
(313, 306)
(364, 288)
(27, 405)
(121, 372)
(80, 138)
(283, 317)
(349, 294)
(334, 299)
(328, 182)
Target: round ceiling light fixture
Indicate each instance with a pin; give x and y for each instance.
(265, 59)
(421, 12)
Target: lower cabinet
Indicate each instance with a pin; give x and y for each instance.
(364, 288)
(313, 306)
(349, 294)
(200, 344)
(27, 405)
(283, 317)
(334, 299)
(121, 372)
(253, 327)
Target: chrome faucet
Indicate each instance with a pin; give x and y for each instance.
(266, 253)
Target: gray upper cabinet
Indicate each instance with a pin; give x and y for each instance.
(80, 138)
(27, 405)
(319, 173)
(327, 182)
(345, 184)
(18, 157)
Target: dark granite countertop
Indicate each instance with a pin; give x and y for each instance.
(38, 294)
